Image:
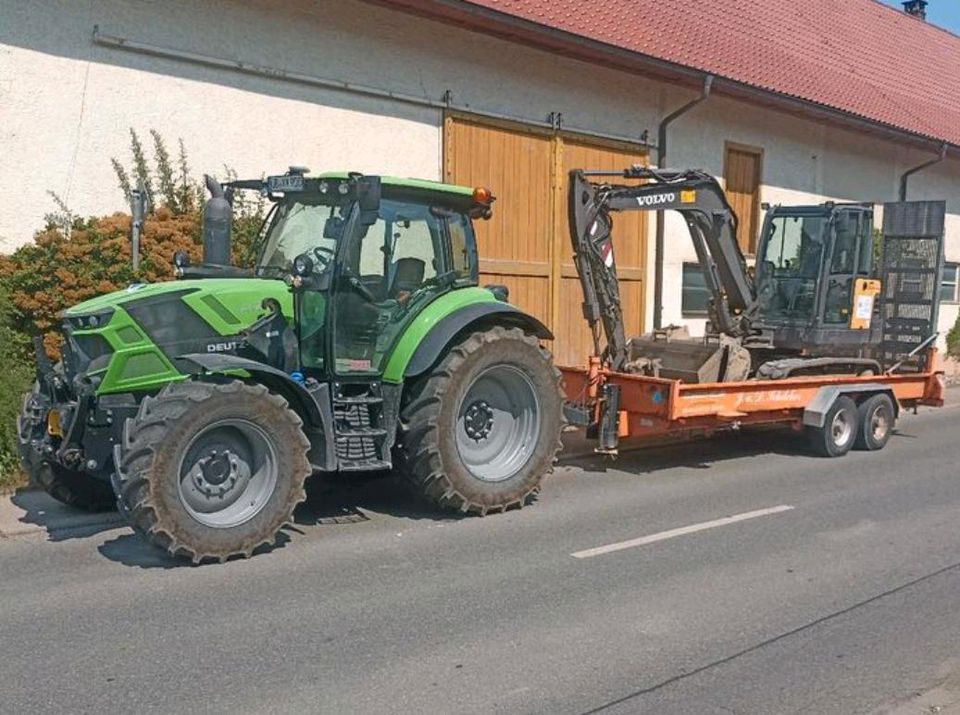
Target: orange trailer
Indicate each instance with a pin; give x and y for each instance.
(837, 411)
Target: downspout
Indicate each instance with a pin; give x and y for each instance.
(920, 167)
(662, 163)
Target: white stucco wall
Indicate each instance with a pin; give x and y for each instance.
(66, 105)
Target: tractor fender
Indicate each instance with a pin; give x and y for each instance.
(313, 406)
(446, 329)
(815, 413)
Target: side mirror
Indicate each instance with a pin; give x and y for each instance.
(368, 198)
(333, 228)
(303, 265)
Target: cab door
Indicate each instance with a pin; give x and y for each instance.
(387, 272)
(851, 257)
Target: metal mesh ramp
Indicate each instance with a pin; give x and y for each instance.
(911, 270)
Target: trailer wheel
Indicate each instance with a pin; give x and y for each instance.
(876, 418)
(479, 433)
(208, 471)
(839, 431)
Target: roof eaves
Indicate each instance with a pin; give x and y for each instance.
(507, 26)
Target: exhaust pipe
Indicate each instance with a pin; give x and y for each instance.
(217, 225)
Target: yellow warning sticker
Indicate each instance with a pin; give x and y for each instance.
(688, 196)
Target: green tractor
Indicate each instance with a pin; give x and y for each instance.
(360, 342)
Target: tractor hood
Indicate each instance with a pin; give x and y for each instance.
(248, 291)
(132, 340)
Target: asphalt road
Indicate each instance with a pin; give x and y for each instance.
(845, 603)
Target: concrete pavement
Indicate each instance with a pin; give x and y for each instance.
(845, 602)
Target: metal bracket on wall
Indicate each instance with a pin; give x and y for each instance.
(275, 73)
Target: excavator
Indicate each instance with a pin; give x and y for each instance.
(810, 305)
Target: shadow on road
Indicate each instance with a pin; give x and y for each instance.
(696, 453)
(331, 500)
(57, 521)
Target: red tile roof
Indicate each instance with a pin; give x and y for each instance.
(859, 57)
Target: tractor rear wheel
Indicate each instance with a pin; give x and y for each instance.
(481, 431)
(208, 471)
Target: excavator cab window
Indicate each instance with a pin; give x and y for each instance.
(852, 257)
(788, 267)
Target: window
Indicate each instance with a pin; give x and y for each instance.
(948, 286)
(460, 230)
(695, 298)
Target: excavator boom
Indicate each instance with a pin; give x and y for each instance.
(713, 228)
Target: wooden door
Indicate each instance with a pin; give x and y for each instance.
(514, 245)
(574, 342)
(526, 245)
(741, 171)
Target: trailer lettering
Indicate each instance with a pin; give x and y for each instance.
(770, 396)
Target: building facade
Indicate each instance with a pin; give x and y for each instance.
(344, 84)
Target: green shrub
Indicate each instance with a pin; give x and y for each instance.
(74, 259)
(15, 379)
(953, 340)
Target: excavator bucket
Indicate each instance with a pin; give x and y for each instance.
(672, 355)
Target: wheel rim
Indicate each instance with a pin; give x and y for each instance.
(227, 473)
(879, 424)
(498, 423)
(841, 429)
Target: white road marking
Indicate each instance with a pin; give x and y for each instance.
(673, 533)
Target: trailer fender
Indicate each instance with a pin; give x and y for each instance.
(313, 406)
(814, 415)
(440, 335)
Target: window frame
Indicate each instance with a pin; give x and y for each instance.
(698, 270)
(944, 282)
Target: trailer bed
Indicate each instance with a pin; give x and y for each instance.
(650, 406)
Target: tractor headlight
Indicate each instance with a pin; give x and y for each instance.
(91, 321)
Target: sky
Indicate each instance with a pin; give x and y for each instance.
(945, 13)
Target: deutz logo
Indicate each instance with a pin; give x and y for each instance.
(221, 347)
(656, 199)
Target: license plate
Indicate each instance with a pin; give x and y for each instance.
(285, 183)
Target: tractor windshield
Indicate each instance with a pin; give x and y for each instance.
(300, 226)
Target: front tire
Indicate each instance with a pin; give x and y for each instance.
(482, 430)
(208, 471)
(68, 486)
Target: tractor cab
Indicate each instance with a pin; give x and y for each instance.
(814, 275)
(366, 255)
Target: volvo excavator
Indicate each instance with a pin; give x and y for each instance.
(808, 307)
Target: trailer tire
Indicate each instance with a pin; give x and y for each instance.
(190, 447)
(839, 431)
(478, 434)
(876, 419)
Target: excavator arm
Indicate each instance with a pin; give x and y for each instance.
(713, 229)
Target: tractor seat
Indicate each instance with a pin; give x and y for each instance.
(408, 275)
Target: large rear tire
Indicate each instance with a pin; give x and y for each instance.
(482, 430)
(208, 471)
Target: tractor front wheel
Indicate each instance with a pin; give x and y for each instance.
(208, 471)
(480, 432)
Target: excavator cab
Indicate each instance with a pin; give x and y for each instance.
(814, 277)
